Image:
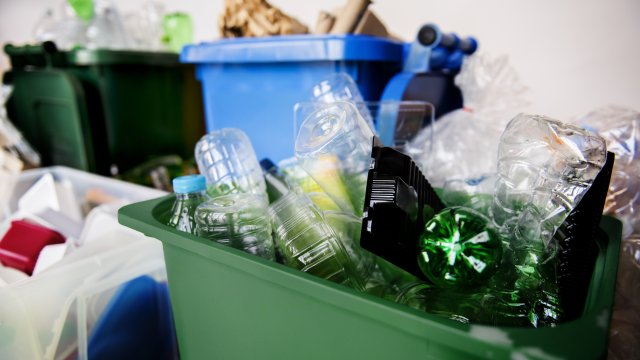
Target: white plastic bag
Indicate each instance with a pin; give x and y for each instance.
(465, 141)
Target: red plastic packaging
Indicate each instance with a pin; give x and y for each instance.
(21, 245)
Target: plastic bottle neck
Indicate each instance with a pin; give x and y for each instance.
(190, 195)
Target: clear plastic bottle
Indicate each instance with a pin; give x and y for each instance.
(309, 244)
(190, 192)
(106, 30)
(381, 278)
(227, 159)
(237, 220)
(544, 169)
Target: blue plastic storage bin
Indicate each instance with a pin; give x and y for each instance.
(254, 83)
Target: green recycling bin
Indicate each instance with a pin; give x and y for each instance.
(228, 304)
(103, 111)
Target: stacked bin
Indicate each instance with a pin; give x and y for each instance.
(96, 109)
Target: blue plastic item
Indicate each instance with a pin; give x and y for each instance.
(434, 50)
(254, 83)
(137, 324)
(432, 61)
(189, 183)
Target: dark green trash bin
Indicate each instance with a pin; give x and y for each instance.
(99, 109)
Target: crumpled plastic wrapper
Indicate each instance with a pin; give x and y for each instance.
(242, 18)
(620, 127)
(465, 141)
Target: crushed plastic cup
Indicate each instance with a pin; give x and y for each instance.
(544, 169)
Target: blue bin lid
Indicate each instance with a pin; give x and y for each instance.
(291, 48)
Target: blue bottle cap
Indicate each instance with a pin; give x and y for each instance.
(189, 183)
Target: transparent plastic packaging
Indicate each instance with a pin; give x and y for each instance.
(227, 159)
(492, 95)
(334, 147)
(237, 220)
(308, 243)
(620, 127)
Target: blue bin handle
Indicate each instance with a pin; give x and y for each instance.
(433, 49)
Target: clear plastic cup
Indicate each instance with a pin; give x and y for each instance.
(239, 221)
(227, 159)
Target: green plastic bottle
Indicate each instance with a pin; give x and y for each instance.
(178, 30)
(459, 248)
(82, 8)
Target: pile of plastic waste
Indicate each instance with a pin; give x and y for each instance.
(491, 251)
(97, 24)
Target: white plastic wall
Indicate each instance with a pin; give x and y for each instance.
(574, 55)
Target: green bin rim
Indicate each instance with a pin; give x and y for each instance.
(84, 56)
(586, 337)
(118, 57)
